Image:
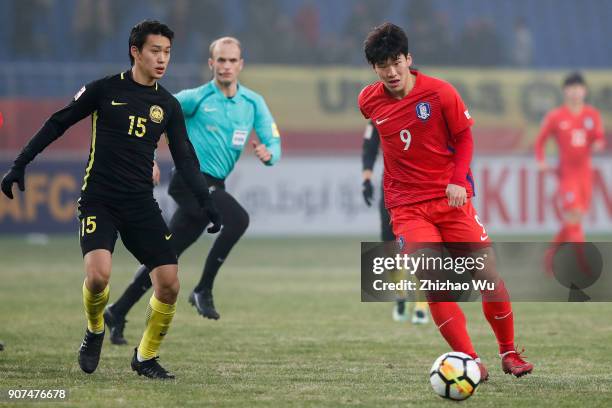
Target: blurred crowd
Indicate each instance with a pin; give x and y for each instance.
(441, 32)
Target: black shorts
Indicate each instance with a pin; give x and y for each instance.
(139, 222)
(178, 190)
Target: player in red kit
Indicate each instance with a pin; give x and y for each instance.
(427, 145)
(578, 130)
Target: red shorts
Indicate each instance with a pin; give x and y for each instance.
(435, 221)
(575, 192)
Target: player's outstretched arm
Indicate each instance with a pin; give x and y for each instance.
(459, 123)
(599, 142)
(370, 147)
(369, 152)
(540, 142)
(82, 105)
(464, 148)
(269, 151)
(188, 166)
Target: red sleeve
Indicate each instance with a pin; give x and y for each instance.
(546, 129)
(454, 110)
(599, 128)
(464, 147)
(362, 102)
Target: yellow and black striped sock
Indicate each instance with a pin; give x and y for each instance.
(420, 302)
(159, 317)
(397, 275)
(94, 308)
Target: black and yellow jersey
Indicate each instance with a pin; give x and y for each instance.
(128, 120)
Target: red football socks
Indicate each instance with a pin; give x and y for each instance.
(569, 233)
(574, 232)
(497, 309)
(452, 325)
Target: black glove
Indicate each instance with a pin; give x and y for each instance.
(15, 175)
(368, 192)
(212, 213)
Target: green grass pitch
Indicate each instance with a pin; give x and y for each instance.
(293, 333)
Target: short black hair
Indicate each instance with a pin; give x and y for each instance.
(385, 41)
(575, 78)
(139, 33)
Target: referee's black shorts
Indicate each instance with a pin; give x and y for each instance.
(178, 190)
(137, 220)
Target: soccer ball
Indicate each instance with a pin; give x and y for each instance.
(454, 376)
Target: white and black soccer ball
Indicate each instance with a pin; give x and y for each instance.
(454, 376)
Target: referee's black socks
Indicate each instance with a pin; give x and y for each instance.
(134, 291)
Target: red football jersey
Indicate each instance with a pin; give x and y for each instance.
(574, 134)
(416, 136)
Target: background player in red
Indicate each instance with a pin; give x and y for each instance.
(425, 135)
(578, 131)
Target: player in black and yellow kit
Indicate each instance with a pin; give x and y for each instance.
(130, 111)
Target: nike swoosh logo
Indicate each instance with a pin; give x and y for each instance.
(118, 103)
(168, 237)
(209, 109)
(484, 237)
(504, 316)
(448, 320)
(381, 121)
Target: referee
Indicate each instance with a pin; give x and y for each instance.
(220, 116)
(129, 113)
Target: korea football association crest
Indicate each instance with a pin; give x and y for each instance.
(156, 114)
(423, 110)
